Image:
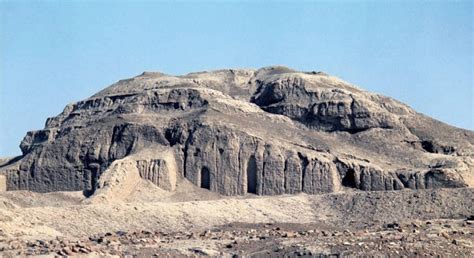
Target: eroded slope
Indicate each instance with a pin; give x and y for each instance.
(268, 131)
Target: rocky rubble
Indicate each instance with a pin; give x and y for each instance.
(434, 222)
(432, 238)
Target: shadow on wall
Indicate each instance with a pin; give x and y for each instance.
(349, 179)
(205, 178)
(252, 175)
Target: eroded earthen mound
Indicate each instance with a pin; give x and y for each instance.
(269, 131)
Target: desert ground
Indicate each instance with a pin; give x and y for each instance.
(195, 222)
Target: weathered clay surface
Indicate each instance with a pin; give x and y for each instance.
(269, 131)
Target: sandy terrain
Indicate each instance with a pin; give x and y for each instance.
(192, 221)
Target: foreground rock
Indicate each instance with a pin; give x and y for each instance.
(453, 238)
(398, 223)
(268, 132)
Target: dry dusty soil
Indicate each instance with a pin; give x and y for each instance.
(195, 222)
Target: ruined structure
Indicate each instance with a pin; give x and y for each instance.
(268, 132)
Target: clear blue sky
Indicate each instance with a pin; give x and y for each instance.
(53, 53)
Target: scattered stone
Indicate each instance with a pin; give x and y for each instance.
(393, 225)
(445, 235)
